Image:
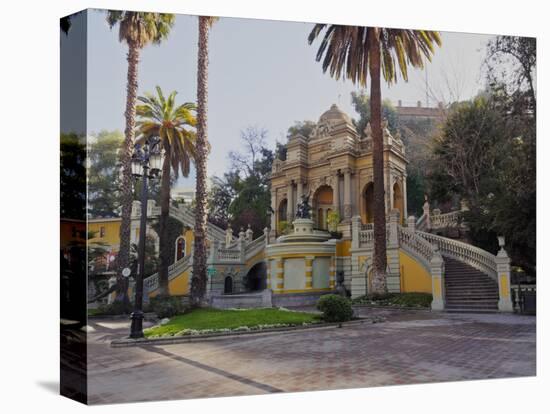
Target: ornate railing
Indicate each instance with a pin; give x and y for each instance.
(416, 245)
(151, 283)
(474, 256)
(438, 221)
(366, 237)
(255, 246)
(228, 255)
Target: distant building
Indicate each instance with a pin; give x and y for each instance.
(185, 194)
(419, 112)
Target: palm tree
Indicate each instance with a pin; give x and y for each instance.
(351, 52)
(174, 125)
(136, 29)
(198, 281)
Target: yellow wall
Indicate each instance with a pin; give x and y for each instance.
(112, 231)
(414, 277)
(342, 248)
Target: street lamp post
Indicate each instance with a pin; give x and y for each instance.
(146, 163)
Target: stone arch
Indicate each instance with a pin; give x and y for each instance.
(322, 201)
(398, 200)
(367, 203)
(256, 277)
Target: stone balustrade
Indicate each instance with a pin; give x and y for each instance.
(464, 252)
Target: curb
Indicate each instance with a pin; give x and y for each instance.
(127, 342)
(148, 316)
(401, 308)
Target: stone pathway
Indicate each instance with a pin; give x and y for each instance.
(408, 348)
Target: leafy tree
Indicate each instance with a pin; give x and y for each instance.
(486, 155)
(104, 174)
(352, 52)
(519, 53)
(137, 30)
(301, 127)
(73, 176)
(174, 125)
(220, 196)
(361, 104)
(198, 281)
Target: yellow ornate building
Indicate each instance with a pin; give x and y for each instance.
(334, 166)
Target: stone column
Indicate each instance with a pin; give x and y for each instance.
(347, 194)
(411, 223)
(404, 194)
(309, 271)
(299, 190)
(290, 203)
(355, 229)
(503, 275)
(268, 276)
(437, 267)
(279, 275)
(332, 273)
(336, 193)
(275, 208)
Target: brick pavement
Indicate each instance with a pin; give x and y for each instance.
(408, 348)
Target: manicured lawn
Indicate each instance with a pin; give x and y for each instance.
(217, 319)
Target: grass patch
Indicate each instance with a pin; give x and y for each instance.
(406, 300)
(211, 320)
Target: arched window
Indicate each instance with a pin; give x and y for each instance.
(180, 248)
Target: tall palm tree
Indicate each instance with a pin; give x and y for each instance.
(351, 52)
(136, 29)
(198, 281)
(174, 125)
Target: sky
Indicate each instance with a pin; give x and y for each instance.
(262, 73)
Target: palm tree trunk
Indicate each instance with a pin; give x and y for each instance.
(198, 281)
(379, 210)
(123, 257)
(164, 214)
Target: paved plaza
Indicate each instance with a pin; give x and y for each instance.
(407, 348)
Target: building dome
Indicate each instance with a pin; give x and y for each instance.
(335, 115)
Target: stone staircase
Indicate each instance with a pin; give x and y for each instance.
(468, 289)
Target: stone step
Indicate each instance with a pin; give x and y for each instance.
(488, 283)
(476, 293)
(470, 310)
(472, 303)
(472, 296)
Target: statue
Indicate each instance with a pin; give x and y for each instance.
(303, 208)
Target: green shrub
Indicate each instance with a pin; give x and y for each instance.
(115, 308)
(335, 308)
(165, 306)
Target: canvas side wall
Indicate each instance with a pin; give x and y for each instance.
(73, 234)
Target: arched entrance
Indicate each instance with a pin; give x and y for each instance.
(398, 200)
(256, 277)
(367, 215)
(322, 202)
(228, 285)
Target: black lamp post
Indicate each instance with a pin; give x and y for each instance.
(146, 164)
